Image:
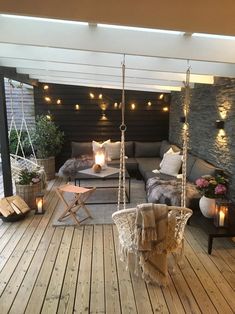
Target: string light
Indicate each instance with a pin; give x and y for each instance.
(165, 109)
(47, 99)
(149, 104)
(77, 106)
(45, 87)
(161, 96)
(115, 105)
(92, 96)
(58, 101)
(48, 117)
(133, 106)
(100, 96)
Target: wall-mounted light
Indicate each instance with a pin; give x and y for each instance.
(58, 101)
(103, 117)
(165, 109)
(92, 96)
(182, 119)
(132, 106)
(219, 124)
(100, 96)
(103, 106)
(47, 99)
(161, 96)
(149, 104)
(77, 107)
(45, 87)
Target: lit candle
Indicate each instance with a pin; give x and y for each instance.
(100, 158)
(221, 218)
(39, 205)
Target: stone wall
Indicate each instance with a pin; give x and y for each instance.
(208, 103)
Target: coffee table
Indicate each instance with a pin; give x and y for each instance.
(81, 178)
(214, 232)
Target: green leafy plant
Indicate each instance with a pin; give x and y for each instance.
(13, 141)
(27, 177)
(47, 139)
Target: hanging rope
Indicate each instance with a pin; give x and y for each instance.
(122, 169)
(24, 124)
(185, 137)
(13, 123)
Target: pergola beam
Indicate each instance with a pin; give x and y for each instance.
(12, 74)
(115, 40)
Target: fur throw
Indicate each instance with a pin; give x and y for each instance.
(73, 165)
(169, 191)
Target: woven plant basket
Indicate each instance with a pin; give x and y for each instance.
(28, 193)
(49, 167)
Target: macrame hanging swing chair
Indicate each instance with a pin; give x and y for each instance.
(125, 218)
(18, 163)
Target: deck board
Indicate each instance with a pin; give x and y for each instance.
(46, 269)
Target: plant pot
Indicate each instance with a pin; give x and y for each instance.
(207, 206)
(28, 193)
(49, 167)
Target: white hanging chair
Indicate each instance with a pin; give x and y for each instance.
(125, 219)
(18, 163)
(177, 219)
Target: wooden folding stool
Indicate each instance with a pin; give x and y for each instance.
(81, 194)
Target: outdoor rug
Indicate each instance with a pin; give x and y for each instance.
(101, 213)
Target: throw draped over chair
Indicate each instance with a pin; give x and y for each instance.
(125, 221)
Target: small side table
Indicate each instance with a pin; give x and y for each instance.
(208, 227)
(81, 194)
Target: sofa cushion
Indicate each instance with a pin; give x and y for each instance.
(147, 149)
(131, 164)
(81, 148)
(129, 149)
(147, 164)
(190, 162)
(112, 149)
(161, 176)
(171, 164)
(201, 168)
(165, 146)
(98, 145)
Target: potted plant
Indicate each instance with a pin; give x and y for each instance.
(47, 141)
(211, 188)
(28, 186)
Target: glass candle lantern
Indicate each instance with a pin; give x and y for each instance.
(39, 204)
(221, 213)
(100, 158)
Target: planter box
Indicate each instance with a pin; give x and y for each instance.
(28, 193)
(49, 167)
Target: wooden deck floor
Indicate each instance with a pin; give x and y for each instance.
(44, 269)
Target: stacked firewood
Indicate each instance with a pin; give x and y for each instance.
(13, 205)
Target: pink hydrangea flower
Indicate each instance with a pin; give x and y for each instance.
(202, 183)
(220, 189)
(35, 180)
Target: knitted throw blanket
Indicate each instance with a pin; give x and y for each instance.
(71, 167)
(169, 191)
(151, 229)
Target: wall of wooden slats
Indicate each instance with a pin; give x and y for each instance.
(28, 100)
(143, 124)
